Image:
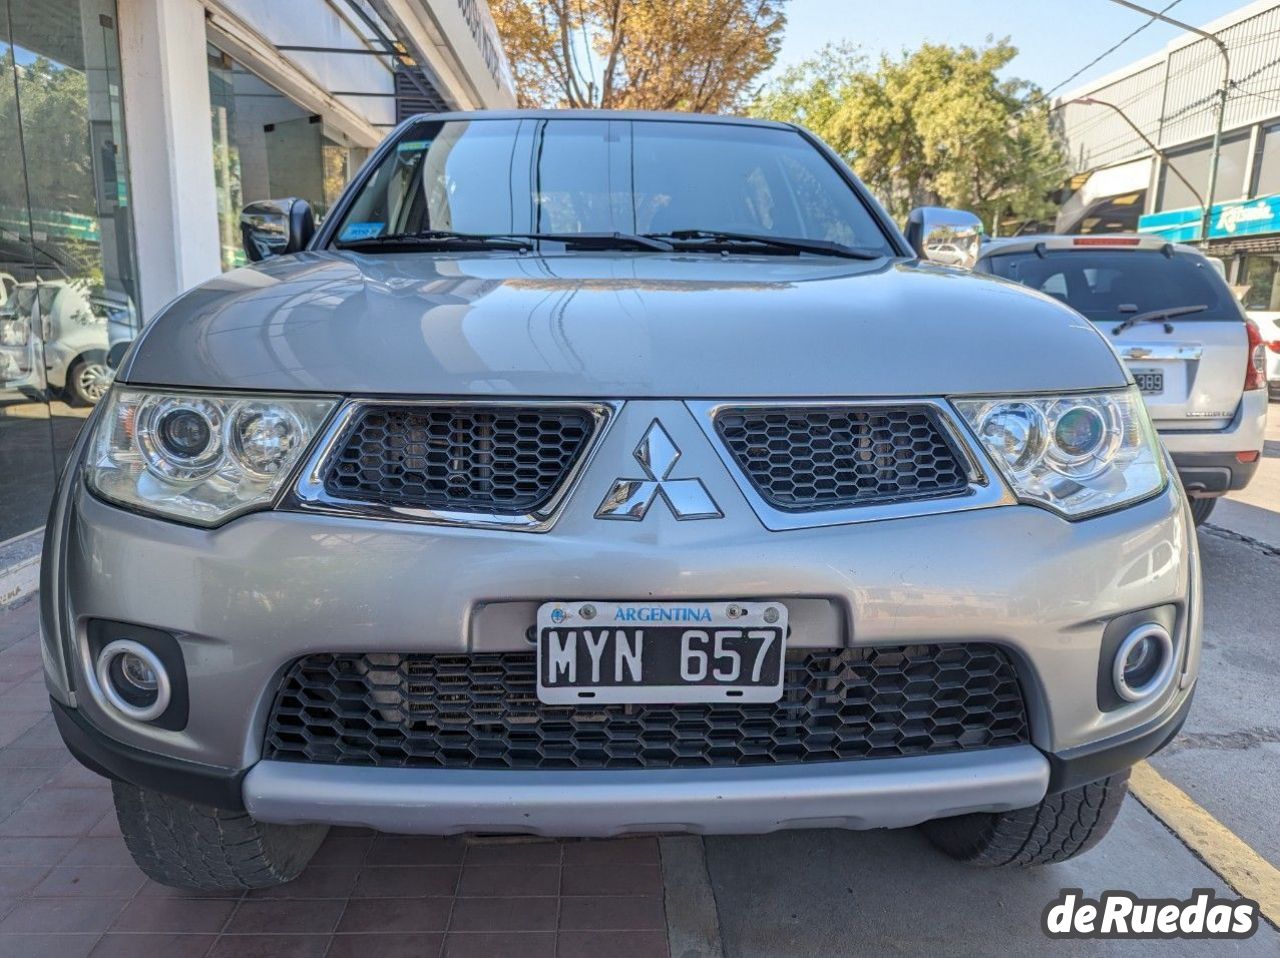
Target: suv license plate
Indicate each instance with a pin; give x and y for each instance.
(660, 652)
(1149, 380)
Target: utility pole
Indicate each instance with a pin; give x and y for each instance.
(1207, 207)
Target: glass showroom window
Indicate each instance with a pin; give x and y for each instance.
(68, 283)
(265, 146)
(1194, 165)
(1258, 274)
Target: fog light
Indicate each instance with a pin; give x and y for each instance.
(138, 673)
(133, 679)
(1143, 664)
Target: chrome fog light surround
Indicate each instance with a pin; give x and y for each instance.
(1156, 638)
(107, 681)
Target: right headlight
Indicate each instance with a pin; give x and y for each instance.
(200, 458)
(1077, 454)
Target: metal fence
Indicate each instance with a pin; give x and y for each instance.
(1172, 99)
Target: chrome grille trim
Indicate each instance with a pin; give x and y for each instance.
(983, 490)
(309, 493)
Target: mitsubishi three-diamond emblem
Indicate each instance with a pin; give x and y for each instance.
(657, 455)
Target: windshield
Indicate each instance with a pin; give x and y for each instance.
(561, 176)
(1107, 285)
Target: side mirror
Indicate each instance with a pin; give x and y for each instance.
(941, 235)
(276, 227)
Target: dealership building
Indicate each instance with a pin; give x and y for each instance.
(1139, 143)
(131, 134)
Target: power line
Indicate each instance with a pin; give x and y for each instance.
(1110, 50)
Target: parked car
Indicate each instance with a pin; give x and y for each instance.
(594, 473)
(1197, 359)
(1268, 323)
(949, 254)
(60, 333)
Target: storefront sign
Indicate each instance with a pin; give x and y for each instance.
(1238, 218)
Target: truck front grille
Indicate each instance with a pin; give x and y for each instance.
(806, 458)
(482, 711)
(463, 457)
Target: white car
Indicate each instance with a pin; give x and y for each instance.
(66, 327)
(1268, 323)
(948, 254)
(1197, 359)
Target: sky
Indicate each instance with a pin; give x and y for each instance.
(1054, 37)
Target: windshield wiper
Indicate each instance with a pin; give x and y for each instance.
(709, 238)
(440, 240)
(444, 239)
(600, 240)
(1156, 315)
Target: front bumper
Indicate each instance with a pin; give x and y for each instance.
(875, 793)
(247, 599)
(879, 793)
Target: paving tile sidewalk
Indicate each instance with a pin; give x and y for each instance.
(68, 887)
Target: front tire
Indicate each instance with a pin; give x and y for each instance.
(88, 380)
(1201, 507)
(185, 845)
(1062, 826)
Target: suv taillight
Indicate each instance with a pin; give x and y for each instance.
(1255, 370)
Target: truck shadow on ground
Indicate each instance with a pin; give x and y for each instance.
(889, 892)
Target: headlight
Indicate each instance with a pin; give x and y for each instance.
(1076, 454)
(199, 458)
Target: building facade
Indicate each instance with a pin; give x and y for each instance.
(1139, 143)
(131, 134)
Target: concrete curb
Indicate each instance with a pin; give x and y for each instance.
(693, 922)
(20, 567)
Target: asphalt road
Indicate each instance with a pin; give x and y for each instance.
(885, 893)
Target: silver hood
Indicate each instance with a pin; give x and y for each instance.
(616, 326)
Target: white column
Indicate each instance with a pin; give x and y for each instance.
(166, 117)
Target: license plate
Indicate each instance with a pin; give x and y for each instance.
(657, 652)
(1149, 380)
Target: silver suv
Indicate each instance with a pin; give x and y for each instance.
(597, 473)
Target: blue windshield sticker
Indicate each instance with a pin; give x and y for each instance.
(412, 146)
(359, 231)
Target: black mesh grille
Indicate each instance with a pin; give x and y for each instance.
(482, 711)
(801, 458)
(470, 458)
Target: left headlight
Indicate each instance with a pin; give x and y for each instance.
(1076, 454)
(199, 458)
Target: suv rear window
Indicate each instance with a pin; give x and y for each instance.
(1112, 284)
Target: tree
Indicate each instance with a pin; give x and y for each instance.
(55, 123)
(50, 163)
(935, 126)
(696, 55)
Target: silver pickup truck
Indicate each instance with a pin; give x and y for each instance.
(595, 473)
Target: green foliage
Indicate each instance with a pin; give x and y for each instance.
(50, 163)
(934, 126)
(55, 123)
(812, 92)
